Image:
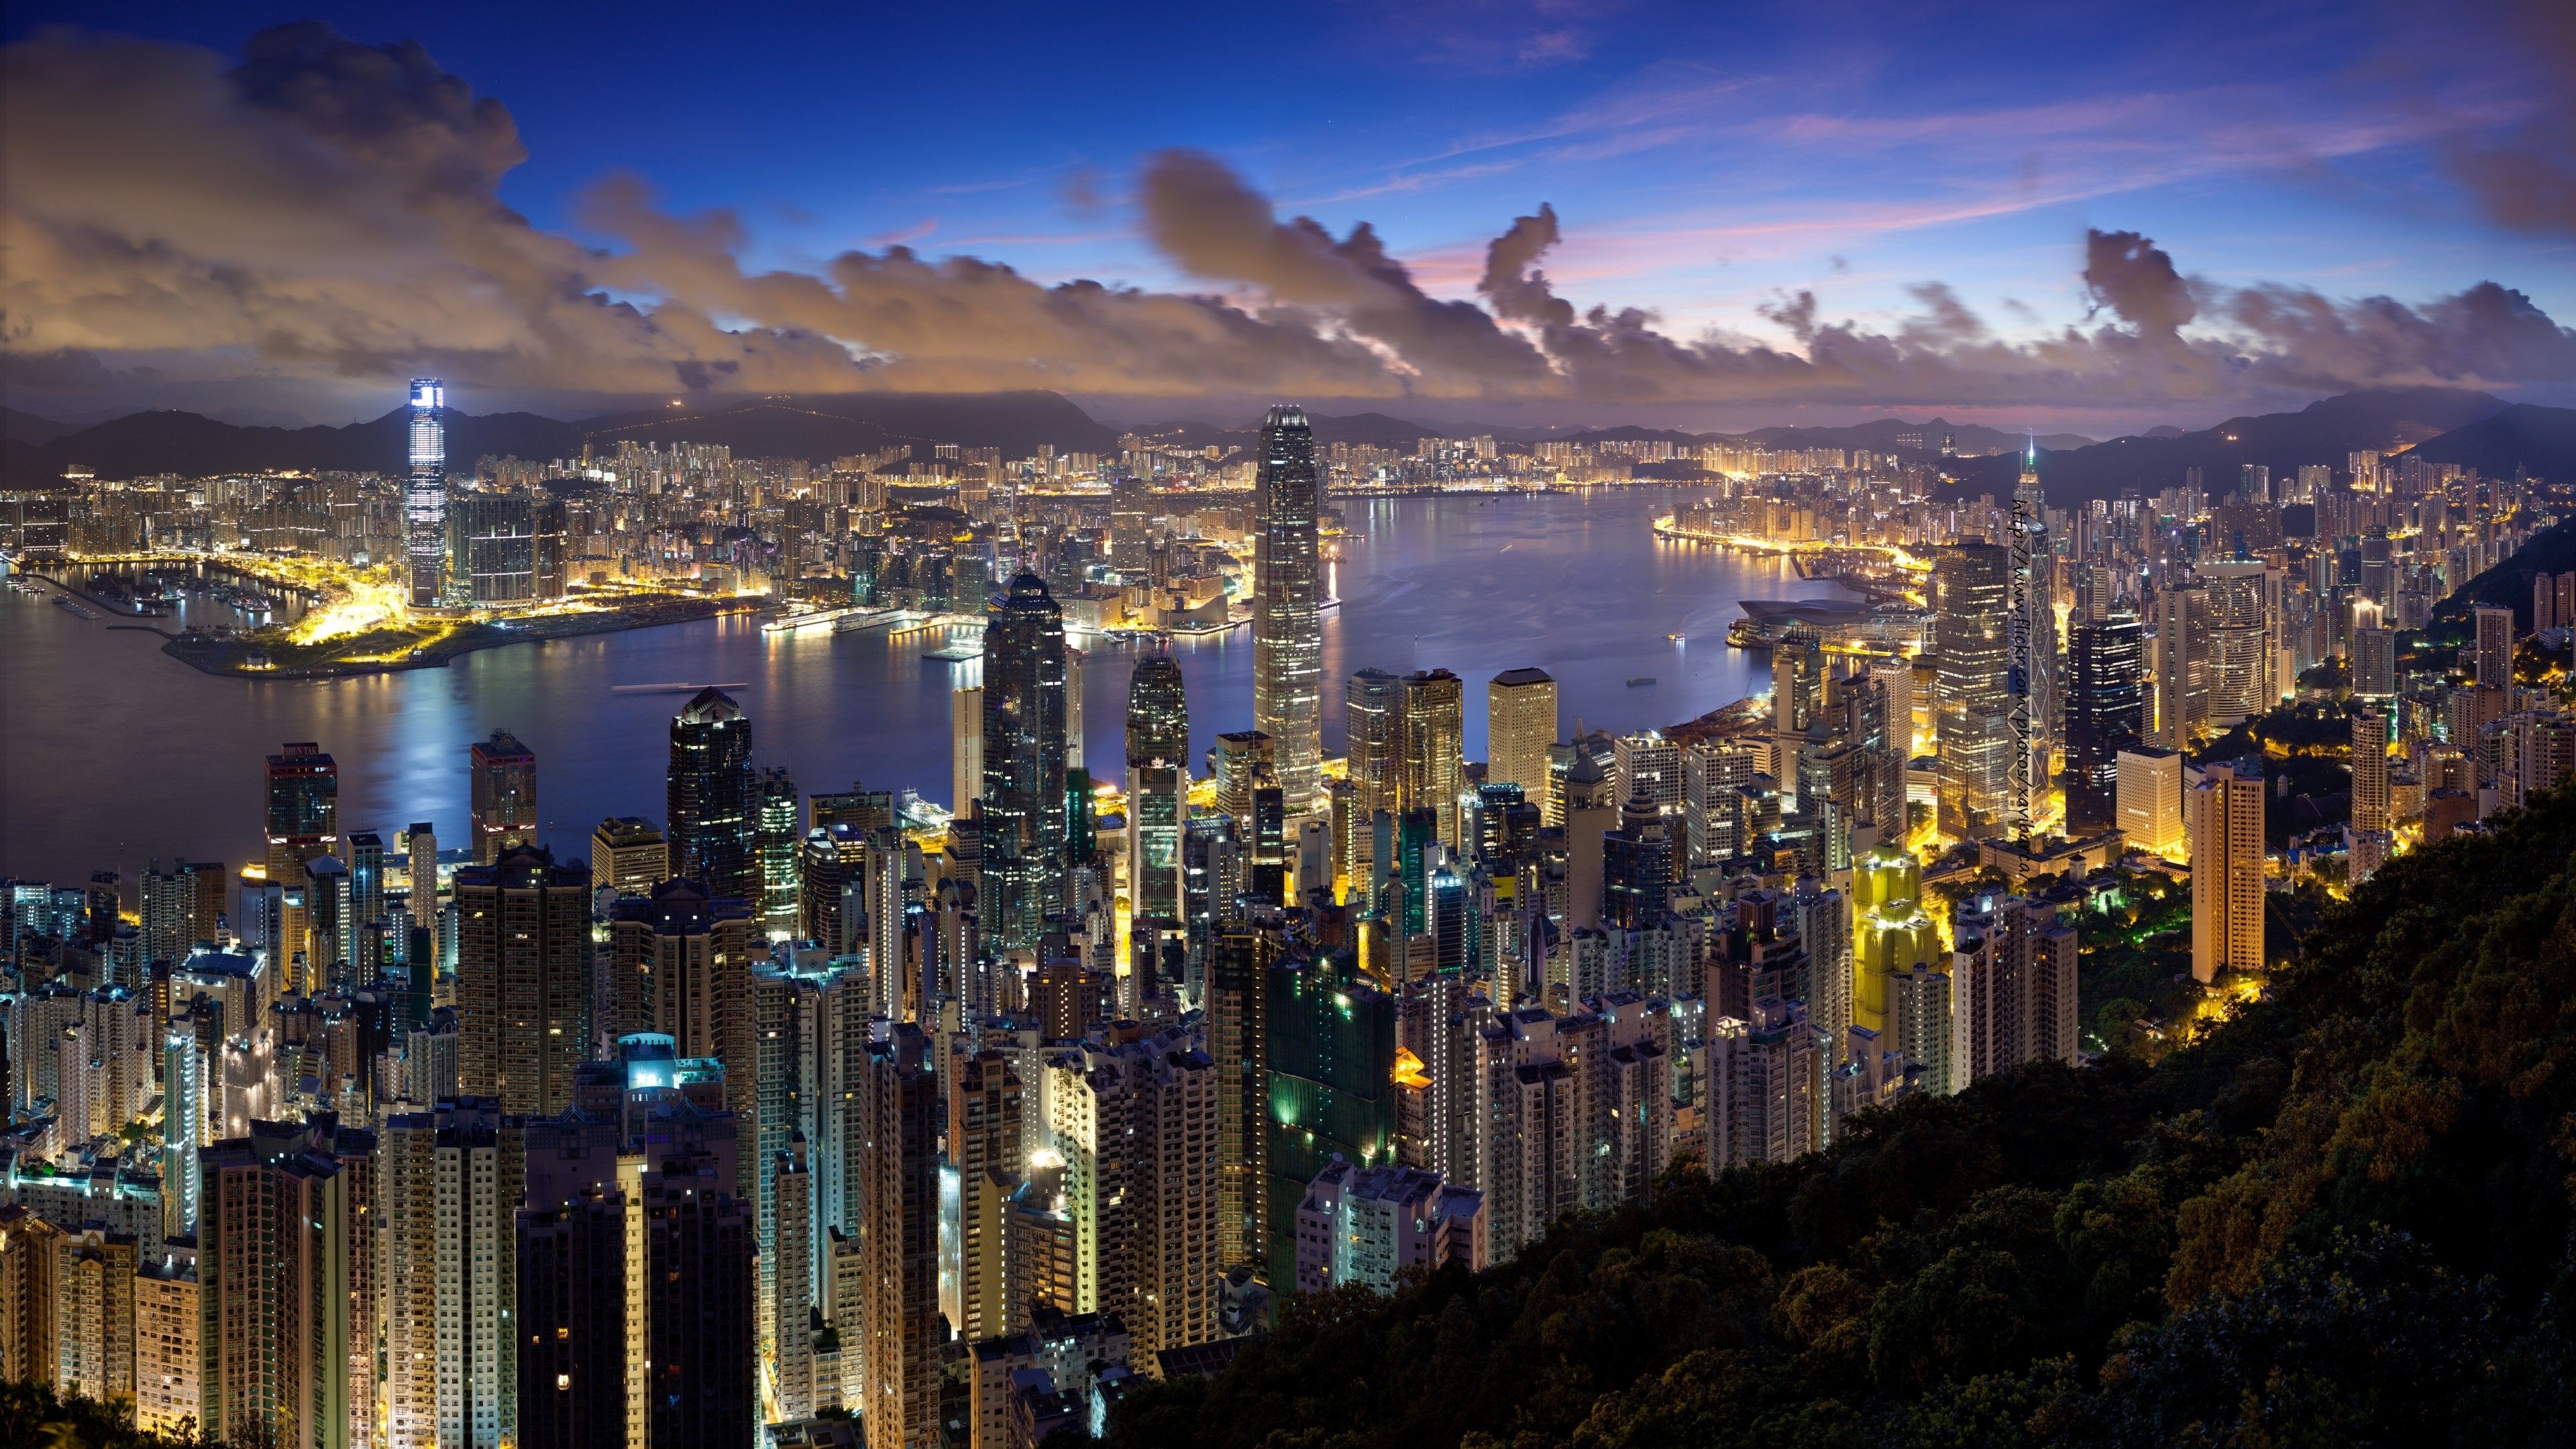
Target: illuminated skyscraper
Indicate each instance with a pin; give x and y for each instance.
(2494, 656)
(629, 854)
(1287, 617)
(2105, 714)
(1890, 934)
(1158, 710)
(1331, 1066)
(425, 495)
(502, 780)
(1971, 608)
(1131, 514)
(1520, 723)
(523, 979)
(901, 1336)
(303, 823)
(713, 804)
(2226, 810)
(2032, 635)
(1158, 786)
(1432, 720)
(1025, 720)
(781, 850)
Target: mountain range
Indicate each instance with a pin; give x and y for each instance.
(2450, 425)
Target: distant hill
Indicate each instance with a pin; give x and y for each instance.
(2539, 441)
(2508, 584)
(19, 426)
(192, 445)
(2322, 432)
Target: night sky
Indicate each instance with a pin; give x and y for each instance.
(2057, 215)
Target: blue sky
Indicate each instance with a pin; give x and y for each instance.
(1705, 161)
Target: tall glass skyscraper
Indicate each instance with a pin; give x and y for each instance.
(1287, 616)
(1971, 611)
(1024, 764)
(425, 496)
(713, 802)
(2105, 714)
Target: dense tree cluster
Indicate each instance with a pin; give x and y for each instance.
(2342, 1218)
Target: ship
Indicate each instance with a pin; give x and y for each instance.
(1641, 681)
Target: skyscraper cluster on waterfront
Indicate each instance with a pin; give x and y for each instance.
(800, 1105)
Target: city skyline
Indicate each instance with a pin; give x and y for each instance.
(837, 906)
(2011, 217)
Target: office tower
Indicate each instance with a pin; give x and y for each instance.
(502, 779)
(986, 1101)
(420, 867)
(966, 747)
(2150, 803)
(2240, 672)
(1431, 722)
(1158, 709)
(712, 804)
(1636, 867)
(1367, 1226)
(2369, 769)
(523, 979)
(2494, 647)
(303, 822)
(425, 493)
(1890, 934)
(901, 1198)
(1238, 1024)
(1025, 720)
(1331, 1061)
(780, 848)
(629, 855)
(1135, 1123)
(2031, 639)
(2226, 827)
(2374, 662)
(1131, 514)
(451, 1181)
(2105, 714)
(1714, 773)
(1287, 597)
(1158, 783)
(2180, 660)
(286, 1307)
(1765, 1086)
(1970, 612)
(2012, 990)
(1591, 812)
(1573, 1112)
(1520, 723)
(681, 967)
(166, 1351)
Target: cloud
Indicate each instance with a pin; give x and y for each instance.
(330, 211)
(2525, 178)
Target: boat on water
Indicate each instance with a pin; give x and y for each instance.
(1641, 681)
(1678, 638)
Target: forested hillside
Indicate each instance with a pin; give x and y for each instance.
(2342, 1218)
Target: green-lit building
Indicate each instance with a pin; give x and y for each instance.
(1331, 1039)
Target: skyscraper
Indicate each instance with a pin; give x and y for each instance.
(2494, 647)
(523, 979)
(1431, 718)
(2032, 636)
(1287, 617)
(630, 854)
(303, 824)
(780, 847)
(1331, 1065)
(1971, 604)
(2226, 810)
(286, 1248)
(451, 1185)
(901, 1338)
(1158, 710)
(713, 803)
(2369, 769)
(1520, 723)
(1025, 722)
(502, 795)
(425, 494)
(2105, 714)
